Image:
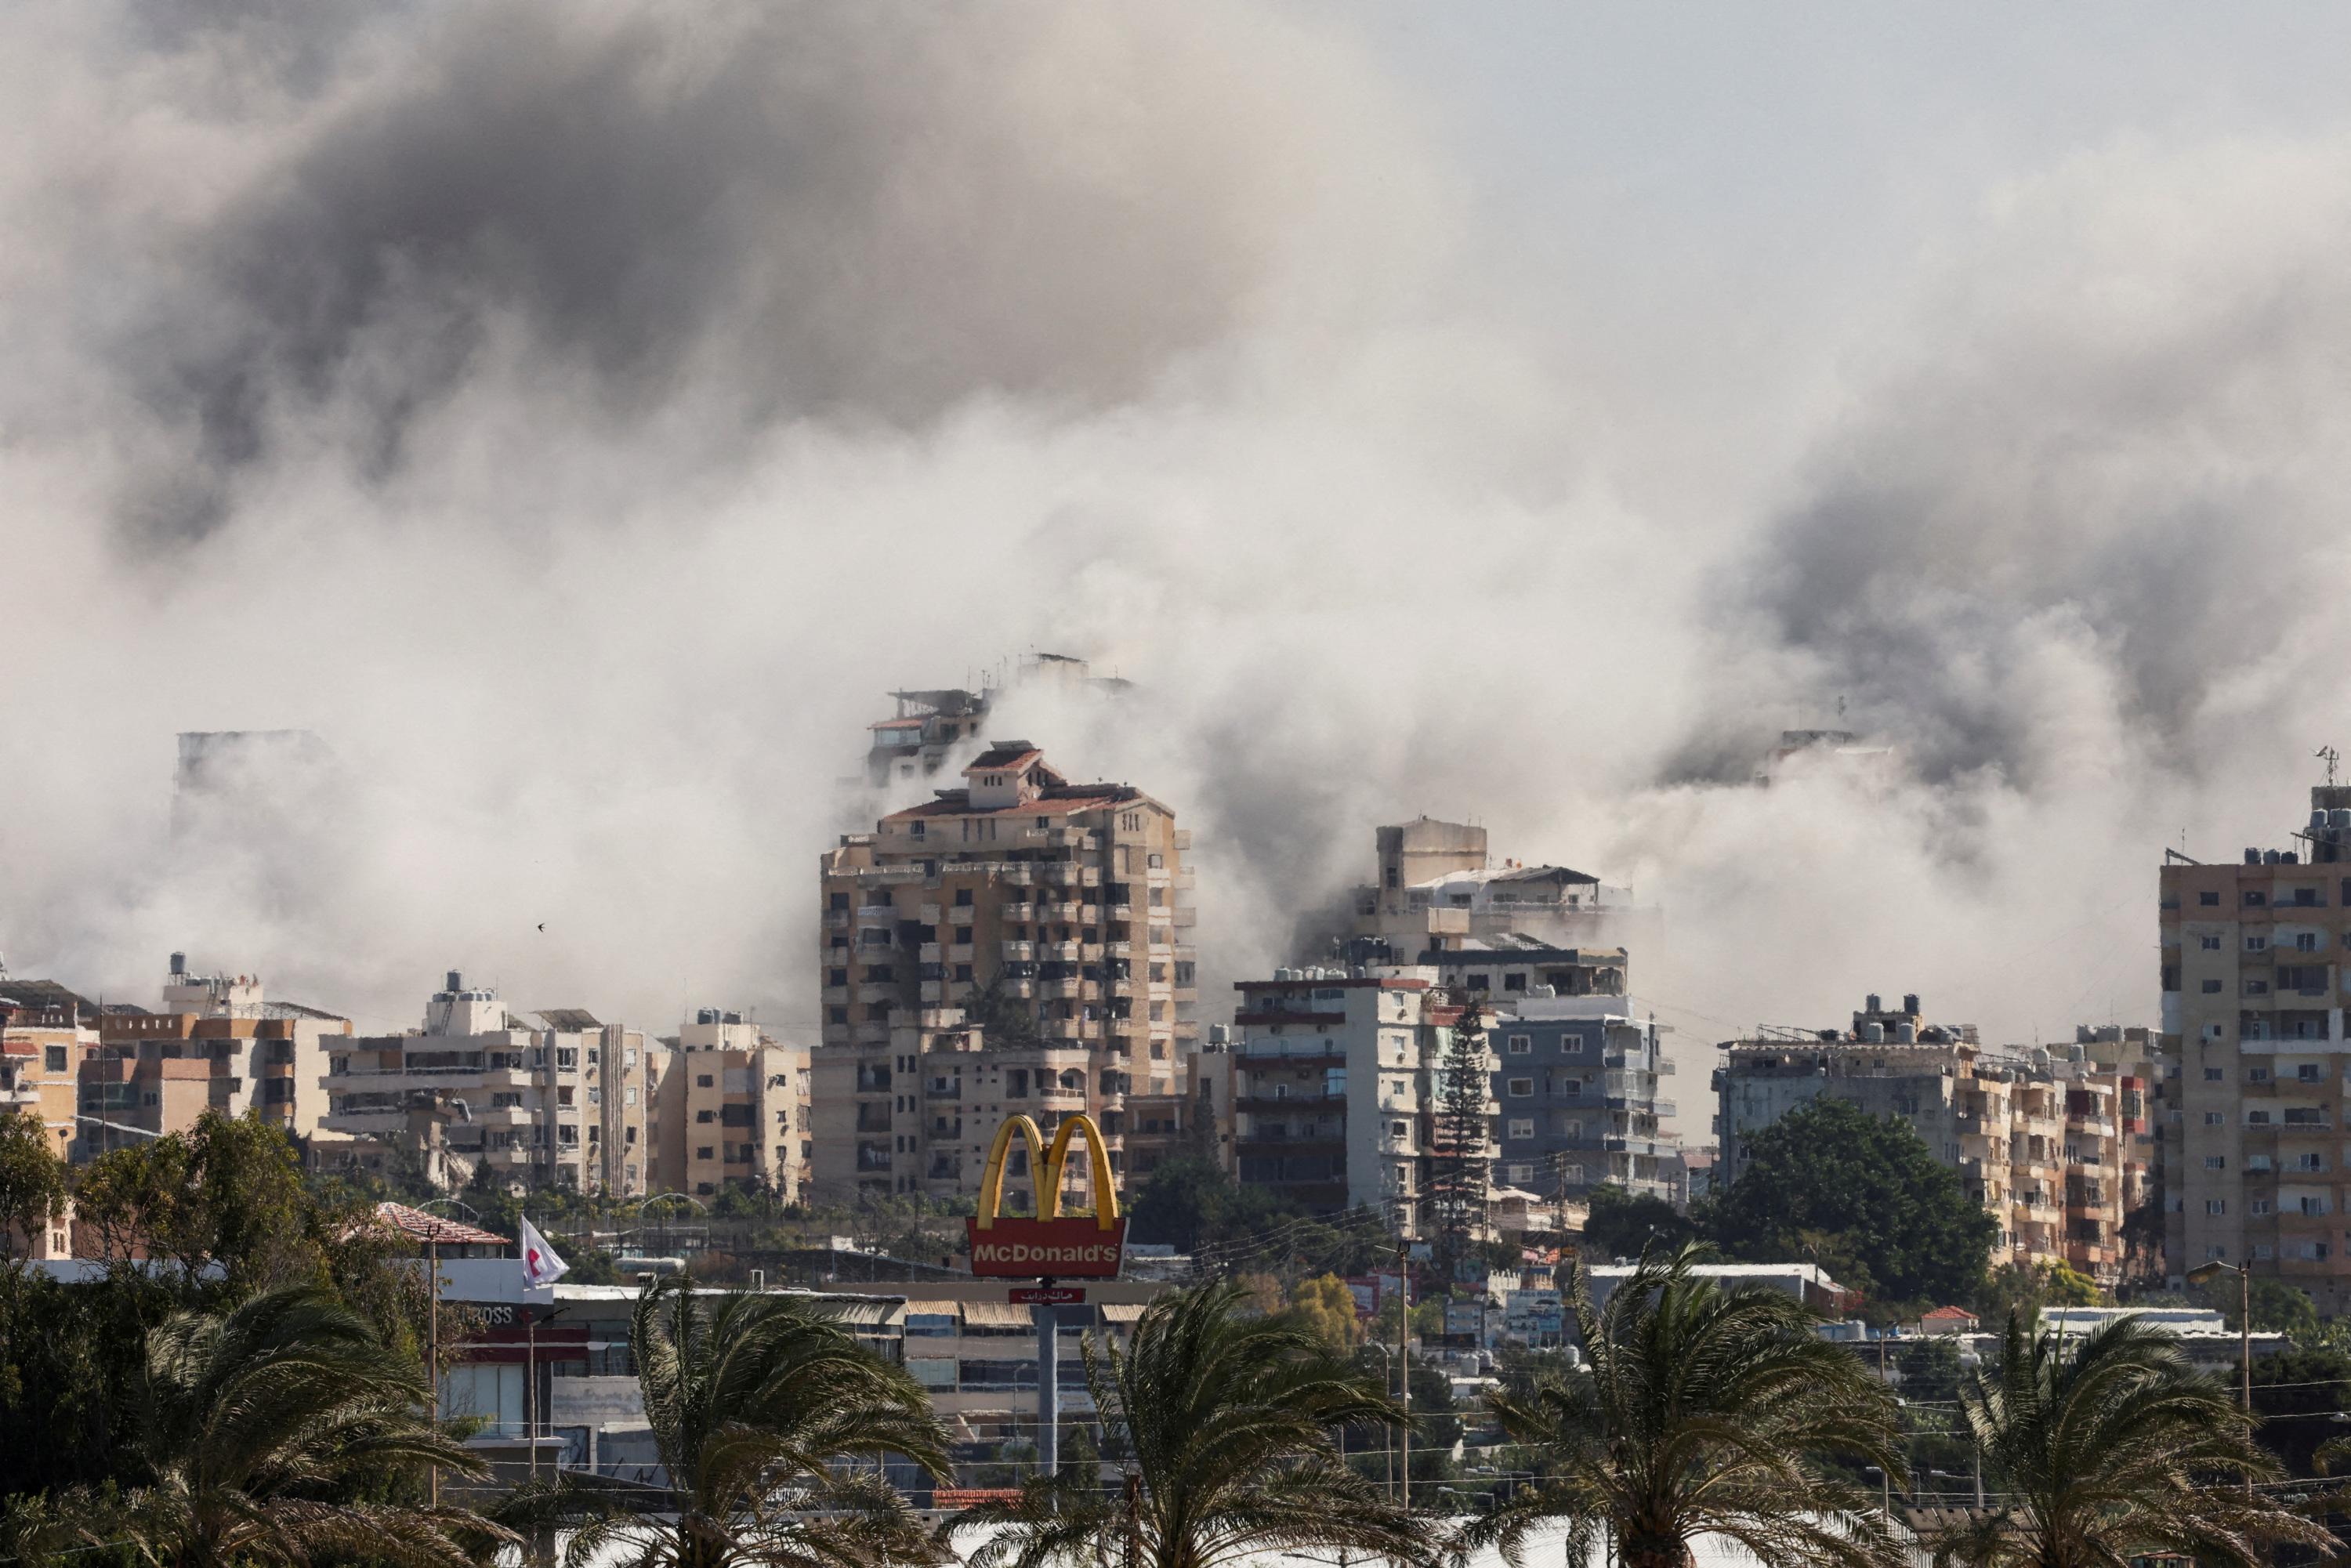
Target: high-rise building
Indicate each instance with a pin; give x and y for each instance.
(1053, 917)
(2255, 1060)
(547, 1099)
(731, 1109)
(1436, 890)
(1576, 1087)
(2038, 1136)
(933, 725)
(219, 1043)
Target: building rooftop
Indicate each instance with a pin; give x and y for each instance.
(424, 1228)
(569, 1020)
(47, 997)
(1057, 800)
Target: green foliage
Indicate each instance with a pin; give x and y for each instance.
(1929, 1369)
(2112, 1447)
(1705, 1411)
(1623, 1224)
(1829, 1182)
(32, 1181)
(1230, 1420)
(2278, 1308)
(259, 1433)
(756, 1402)
(2027, 1288)
(2296, 1394)
(1190, 1203)
(228, 1192)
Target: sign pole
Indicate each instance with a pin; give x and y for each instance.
(1048, 1388)
(433, 1356)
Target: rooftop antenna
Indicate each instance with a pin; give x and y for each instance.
(2329, 756)
(1840, 705)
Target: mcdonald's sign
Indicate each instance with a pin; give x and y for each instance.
(1051, 1245)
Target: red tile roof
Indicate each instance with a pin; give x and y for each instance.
(431, 1227)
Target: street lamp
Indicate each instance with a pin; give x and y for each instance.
(2205, 1275)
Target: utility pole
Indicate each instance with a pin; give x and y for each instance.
(1404, 1364)
(433, 1356)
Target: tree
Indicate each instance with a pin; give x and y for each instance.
(1867, 1184)
(1190, 1203)
(1620, 1224)
(32, 1183)
(1230, 1421)
(229, 1192)
(260, 1428)
(2278, 1308)
(1706, 1411)
(755, 1403)
(2027, 1288)
(1457, 1185)
(1326, 1309)
(2113, 1446)
(2296, 1394)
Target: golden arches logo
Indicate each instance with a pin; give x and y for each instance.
(1049, 1163)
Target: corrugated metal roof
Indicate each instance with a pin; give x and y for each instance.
(1121, 1312)
(995, 1316)
(431, 1227)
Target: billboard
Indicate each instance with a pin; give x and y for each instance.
(1052, 1246)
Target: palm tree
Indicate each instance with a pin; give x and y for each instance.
(2114, 1448)
(1706, 1411)
(1230, 1422)
(754, 1402)
(260, 1430)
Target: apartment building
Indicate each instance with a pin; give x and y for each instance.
(218, 1042)
(1335, 1087)
(931, 726)
(1052, 917)
(2037, 1136)
(548, 1099)
(46, 1032)
(1435, 888)
(731, 1109)
(1576, 1091)
(2255, 1060)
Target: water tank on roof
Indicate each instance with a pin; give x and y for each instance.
(1869, 1003)
(2268, 857)
(2339, 818)
(2252, 857)
(1909, 1002)
(1874, 1032)
(2318, 817)
(456, 981)
(1906, 1032)
(2287, 857)
(179, 963)
(705, 1015)
(734, 1018)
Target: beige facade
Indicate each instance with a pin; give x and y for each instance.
(2043, 1139)
(731, 1107)
(1436, 889)
(555, 1098)
(2255, 1059)
(1022, 911)
(217, 1043)
(47, 1033)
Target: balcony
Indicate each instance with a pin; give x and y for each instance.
(1022, 912)
(877, 915)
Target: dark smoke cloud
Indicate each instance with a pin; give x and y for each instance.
(848, 212)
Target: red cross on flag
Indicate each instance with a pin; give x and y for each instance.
(541, 1264)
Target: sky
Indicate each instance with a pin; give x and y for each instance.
(579, 416)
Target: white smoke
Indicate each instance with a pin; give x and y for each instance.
(579, 417)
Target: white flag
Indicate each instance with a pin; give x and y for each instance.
(541, 1264)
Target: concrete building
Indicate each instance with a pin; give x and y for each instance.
(1334, 1088)
(933, 728)
(219, 1043)
(1053, 917)
(2037, 1136)
(2255, 1057)
(731, 1108)
(1576, 1089)
(46, 1033)
(548, 1099)
(1435, 887)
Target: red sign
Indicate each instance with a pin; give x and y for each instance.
(1046, 1296)
(1078, 1249)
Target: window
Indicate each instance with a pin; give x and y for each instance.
(2255, 898)
(2212, 1118)
(2211, 1075)
(1521, 1173)
(54, 1058)
(1573, 1173)
(963, 898)
(2260, 1205)
(566, 1059)
(2207, 898)
(2210, 944)
(2308, 1074)
(2216, 1206)
(1521, 1087)
(2257, 1075)
(705, 1115)
(2306, 941)
(1520, 1044)
(704, 1153)
(702, 1081)
(1399, 1129)
(2216, 1161)
(629, 1095)
(1522, 1128)
(2211, 987)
